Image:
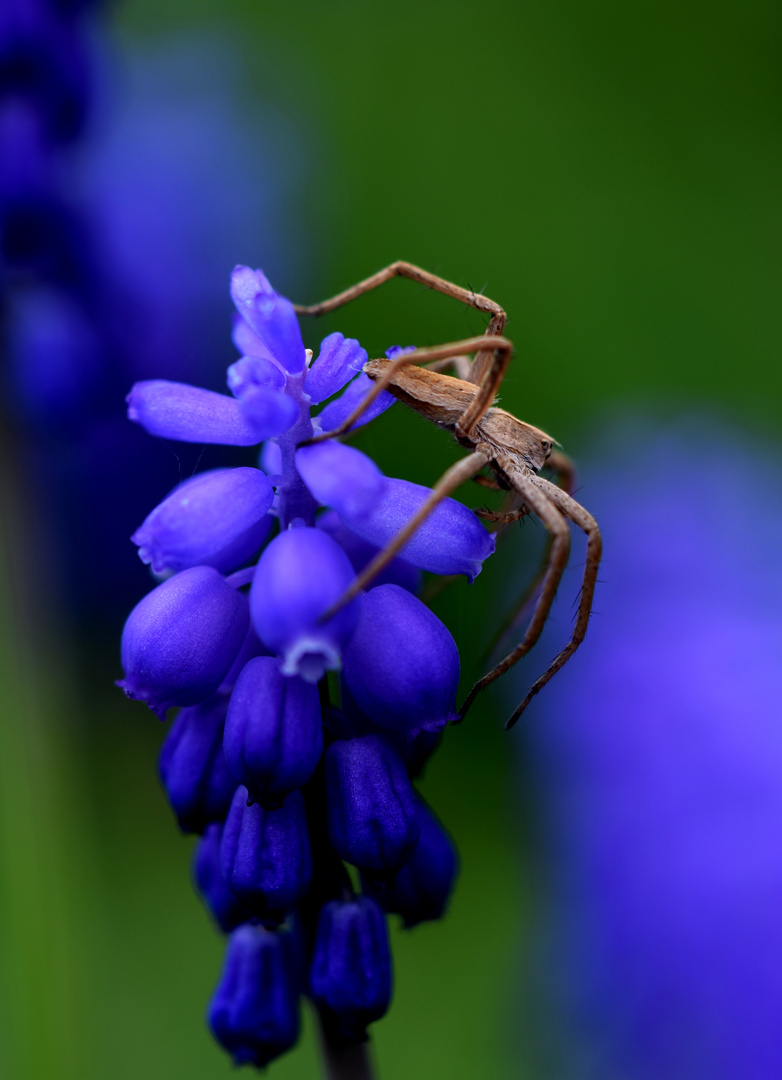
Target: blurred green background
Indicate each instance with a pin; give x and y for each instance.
(610, 174)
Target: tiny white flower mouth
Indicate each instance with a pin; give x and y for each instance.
(310, 659)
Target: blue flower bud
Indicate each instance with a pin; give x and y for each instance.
(252, 647)
(254, 1011)
(340, 476)
(350, 976)
(401, 664)
(265, 855)
(192, 766)
(175, 410)
(300, 575)
(217, 518)
(340, 409)
(270, 316)
(339, 360)
(361, 553)
(423, 886)
(452, 540)
(273, 732)
(179, 641)
(369, 805)
(225, 906)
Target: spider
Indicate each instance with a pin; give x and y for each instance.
(513, 450)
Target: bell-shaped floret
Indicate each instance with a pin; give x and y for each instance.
(192, 766)
(423, 886)
(341, 477)
(273, 733)
(401, 665)
(370, 807)
(248, 343)
(300, 575)
(350, 975)
(187, 413)
(251, 372)
(254, 1011)
(226, 907)
(271, 317)
(252, 647)
(218, 518)
(361, 553)
(180, 641)
(450, 541)
(265, 855)
(337, 411)
(339, 360)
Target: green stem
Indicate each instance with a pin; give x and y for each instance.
(344, 1061)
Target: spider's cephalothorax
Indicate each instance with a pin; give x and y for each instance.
(514, 450)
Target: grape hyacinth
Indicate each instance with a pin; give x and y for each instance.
(283, 783)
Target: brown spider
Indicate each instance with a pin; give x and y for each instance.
(515, 451)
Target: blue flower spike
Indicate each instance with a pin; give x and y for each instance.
(254, 1012)
(273, 732)
(244, 762)
(179, 641)
(192, 766)
(370, 806)
(350, 976)
(265, 855)
(401, 665)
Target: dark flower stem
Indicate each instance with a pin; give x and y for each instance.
(344, 1061)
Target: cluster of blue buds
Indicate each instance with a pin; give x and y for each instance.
(284, 784)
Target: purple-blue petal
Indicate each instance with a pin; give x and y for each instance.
(273, 732)
(173, 410)
(340, 409)
(180, 641)
(225, 906)
(339, 360)
(252, 371)
(361, 553)
(269, 412)
(300, 575)
(401, 664)
(248, 343)
(370, 808)
(452, 540)
(341, 477)
(350, 976)
(270, 316)
(254, 1011)
(217, 518)
(192, 766)
(265, 855)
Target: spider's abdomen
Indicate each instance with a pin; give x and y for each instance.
(440, 398)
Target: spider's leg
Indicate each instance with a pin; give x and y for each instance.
(495, 372)
(423, 277)
(543, 507)
(450, 480)
(500, 345)
(584, 520)
(562, 466)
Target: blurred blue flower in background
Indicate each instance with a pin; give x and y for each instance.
(658, 762)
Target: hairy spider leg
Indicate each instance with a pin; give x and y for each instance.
(451, 479)
(485, 394)
(584, 520)
(480, 365)
(562, 467)
(543, 506)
